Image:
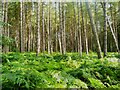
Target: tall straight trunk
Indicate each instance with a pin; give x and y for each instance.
(29, 31)
(2, 28)
(33, 38)
(118, 25)
(21, 27)
(86, 39)
(38, 29)
(84, 28)
(5, 26)
(63, 31)
(49, 40)
(113, 34)
(6, 29)
(43, 27)
(79, 31)
(56, 34)
(60, 26)
(105, 29)
(24, 41)
(94, 31)
(75, 28)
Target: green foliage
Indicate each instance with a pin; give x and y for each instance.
(25, 70)
(96, 83)
(5, 41)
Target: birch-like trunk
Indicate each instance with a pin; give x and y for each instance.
(60, 27)
(63, 31)
(38, 29)
(105, 29)
(48, 28)
(79, 31)
(56, 34)
(21, 27)
(94, 31)
(43, 27)
(113, 34)
(84, 28)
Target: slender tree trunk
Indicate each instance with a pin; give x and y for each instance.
(29, 32)
(43, 27)
(2, 28)
(94, 31)
(59, 34)
(56, 34)
(79, 31)
(6, 48)
(84, 28)
(38, 29)
(86, 40)
(118, 26)
(114, 37)
(105, 29)
(49, 40)
(24, 41)
(64, 34)
(75, 29)
(21, 27)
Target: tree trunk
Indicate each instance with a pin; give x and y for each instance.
(21, 27)
(49, 40)
(29, 32)
(63, 31)
(56, 34)
(43, 27)
(114, 37)
(75, 28)
(60, 26)
(105, 29)
(38, 29)
(24, 41)
(2, 28)
(84, 29)
(118, 26)
(79, 31)
(94, 31)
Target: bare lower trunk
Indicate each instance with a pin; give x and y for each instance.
(21, 27)
(56, 34)
(60, 27)
(84, 28)
(79, 31)
(38, 30)
(49, 40)
(64, 34)
(43, 26)
(114, 37)
(105, 30)
(94, 31)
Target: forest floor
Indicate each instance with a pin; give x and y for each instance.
(25, 70)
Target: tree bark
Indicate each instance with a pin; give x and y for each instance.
(118, 26)
(49, 38)
(114, 37)
(79, 31)
(105, 29)
(84, 29)
(94, 31)
(21, 28)
(60, 27)
(43, 27)
(63, 30)
(56, 34)
(38, 29)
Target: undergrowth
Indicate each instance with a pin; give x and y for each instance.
(25, 70)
